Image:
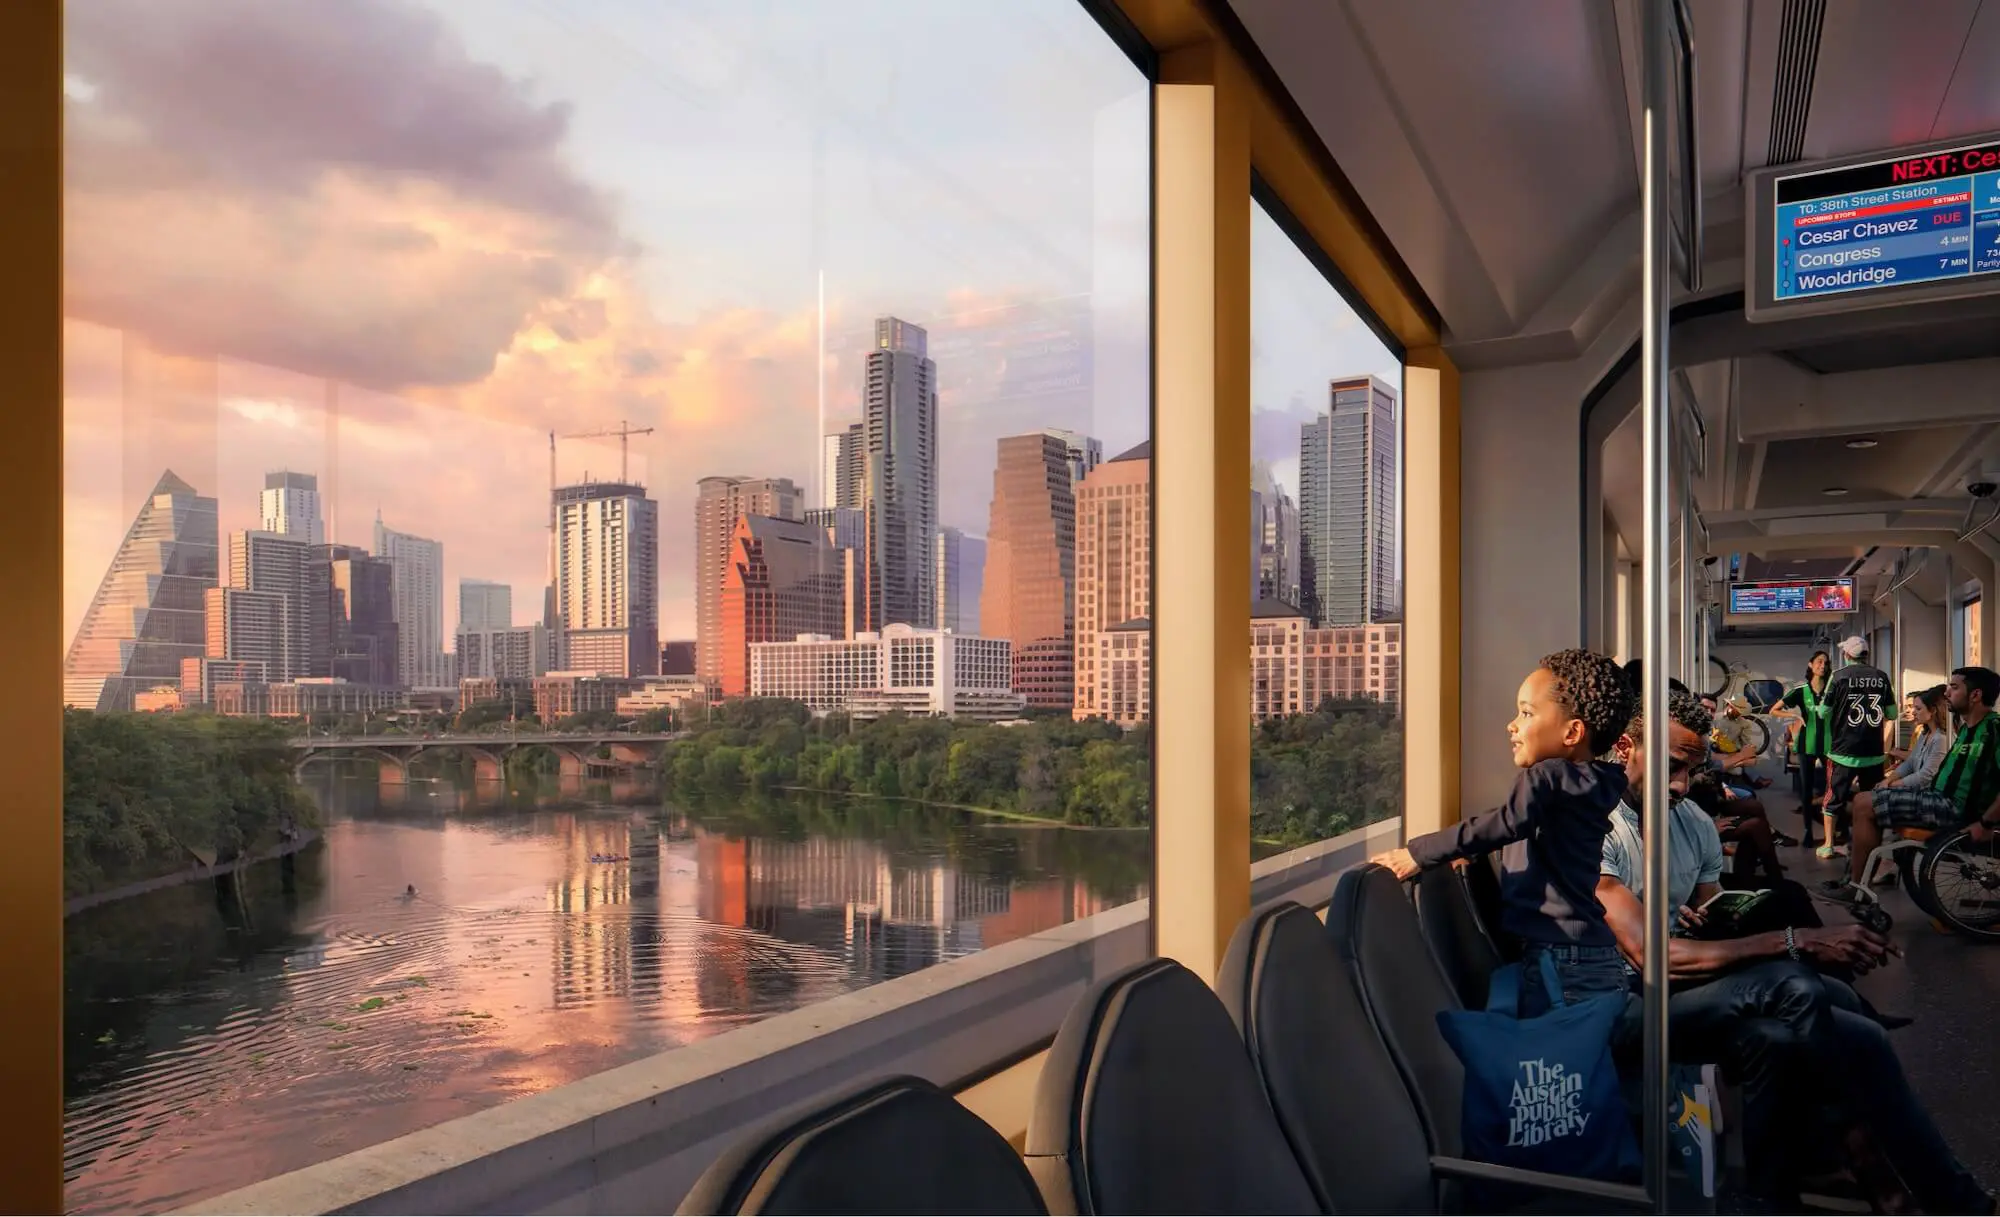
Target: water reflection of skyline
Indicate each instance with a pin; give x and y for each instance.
(205, 1051)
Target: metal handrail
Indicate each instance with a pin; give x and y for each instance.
(1656, 425)
(1691, 213)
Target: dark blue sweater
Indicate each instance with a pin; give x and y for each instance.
(1550, 834)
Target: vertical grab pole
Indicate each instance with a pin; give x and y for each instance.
(1952, 658)
(1684, 543)
(1656, 266)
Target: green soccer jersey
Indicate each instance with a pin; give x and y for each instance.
(1970, 774)
(1813, 734)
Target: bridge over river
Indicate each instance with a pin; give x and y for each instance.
(579, 752)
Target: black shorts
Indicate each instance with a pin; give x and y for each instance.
(1844, 780)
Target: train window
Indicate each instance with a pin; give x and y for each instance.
(1326, 623)
(587, 525)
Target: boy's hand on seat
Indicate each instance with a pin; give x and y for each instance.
(1399, 862)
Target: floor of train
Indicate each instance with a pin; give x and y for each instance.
(1951, 985)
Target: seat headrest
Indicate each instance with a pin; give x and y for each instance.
(897, 1146)
(1148, 1103)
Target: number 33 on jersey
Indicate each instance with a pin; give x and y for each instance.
(1860, 700)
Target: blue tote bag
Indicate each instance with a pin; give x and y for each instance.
(1542, 1093)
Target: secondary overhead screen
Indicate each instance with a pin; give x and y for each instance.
(1774, 596)
(1919, 224)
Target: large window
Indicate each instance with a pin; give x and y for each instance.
(1326, 635)
(605, 521)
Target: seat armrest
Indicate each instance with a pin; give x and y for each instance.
(1622, 1195)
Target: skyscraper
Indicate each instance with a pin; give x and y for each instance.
(784, 578)
(1275, 530)
(842, 469)
(361, 615)
(1084, 453)
(607, 579)
(1114, 565)
(961, 580)
(299, 574)
(1031, 550)
(290, 507)
(485, 605)
(248, 628)
(148, 613)
(719, 503)
(900, 480)
(1347, 505)
(418, 563)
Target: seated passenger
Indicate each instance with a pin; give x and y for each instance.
(1759, 1005)
(1965, 790)
(1930, 712)
(1550, 832)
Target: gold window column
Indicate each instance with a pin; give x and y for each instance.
(31, 888)
(1201, 505)
(1430, 591)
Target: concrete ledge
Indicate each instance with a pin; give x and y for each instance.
(635, 1138)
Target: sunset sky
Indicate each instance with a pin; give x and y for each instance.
(480, 220)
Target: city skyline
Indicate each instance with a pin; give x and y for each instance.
(652, 308)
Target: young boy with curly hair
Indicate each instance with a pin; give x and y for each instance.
(1550, 831)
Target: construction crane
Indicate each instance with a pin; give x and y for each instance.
(624, 433)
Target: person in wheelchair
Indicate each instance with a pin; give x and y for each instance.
(1964, 793)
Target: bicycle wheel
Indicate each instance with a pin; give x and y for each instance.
(1756, 736)
(1721, 673)
(1960, 879)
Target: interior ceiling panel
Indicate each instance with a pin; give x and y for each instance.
(1515, 104)
(1334, 75)
(1973, 100)
(1884, 72)
(1798, 472)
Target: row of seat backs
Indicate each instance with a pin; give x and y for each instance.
(1312, 1080)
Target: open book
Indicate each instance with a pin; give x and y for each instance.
(1724, 913)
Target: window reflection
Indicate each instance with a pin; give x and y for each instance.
(575, 510)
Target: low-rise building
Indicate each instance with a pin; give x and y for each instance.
(902, 669)
(1295, 667)
(561, 695)
(679, 693)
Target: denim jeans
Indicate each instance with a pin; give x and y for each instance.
(1583, 972)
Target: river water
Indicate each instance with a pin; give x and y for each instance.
(213, 1041)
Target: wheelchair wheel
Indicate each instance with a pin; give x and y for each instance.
(1909, 876)
(1960, 882)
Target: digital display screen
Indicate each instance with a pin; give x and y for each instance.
(1792, 596)
(1904, 220)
